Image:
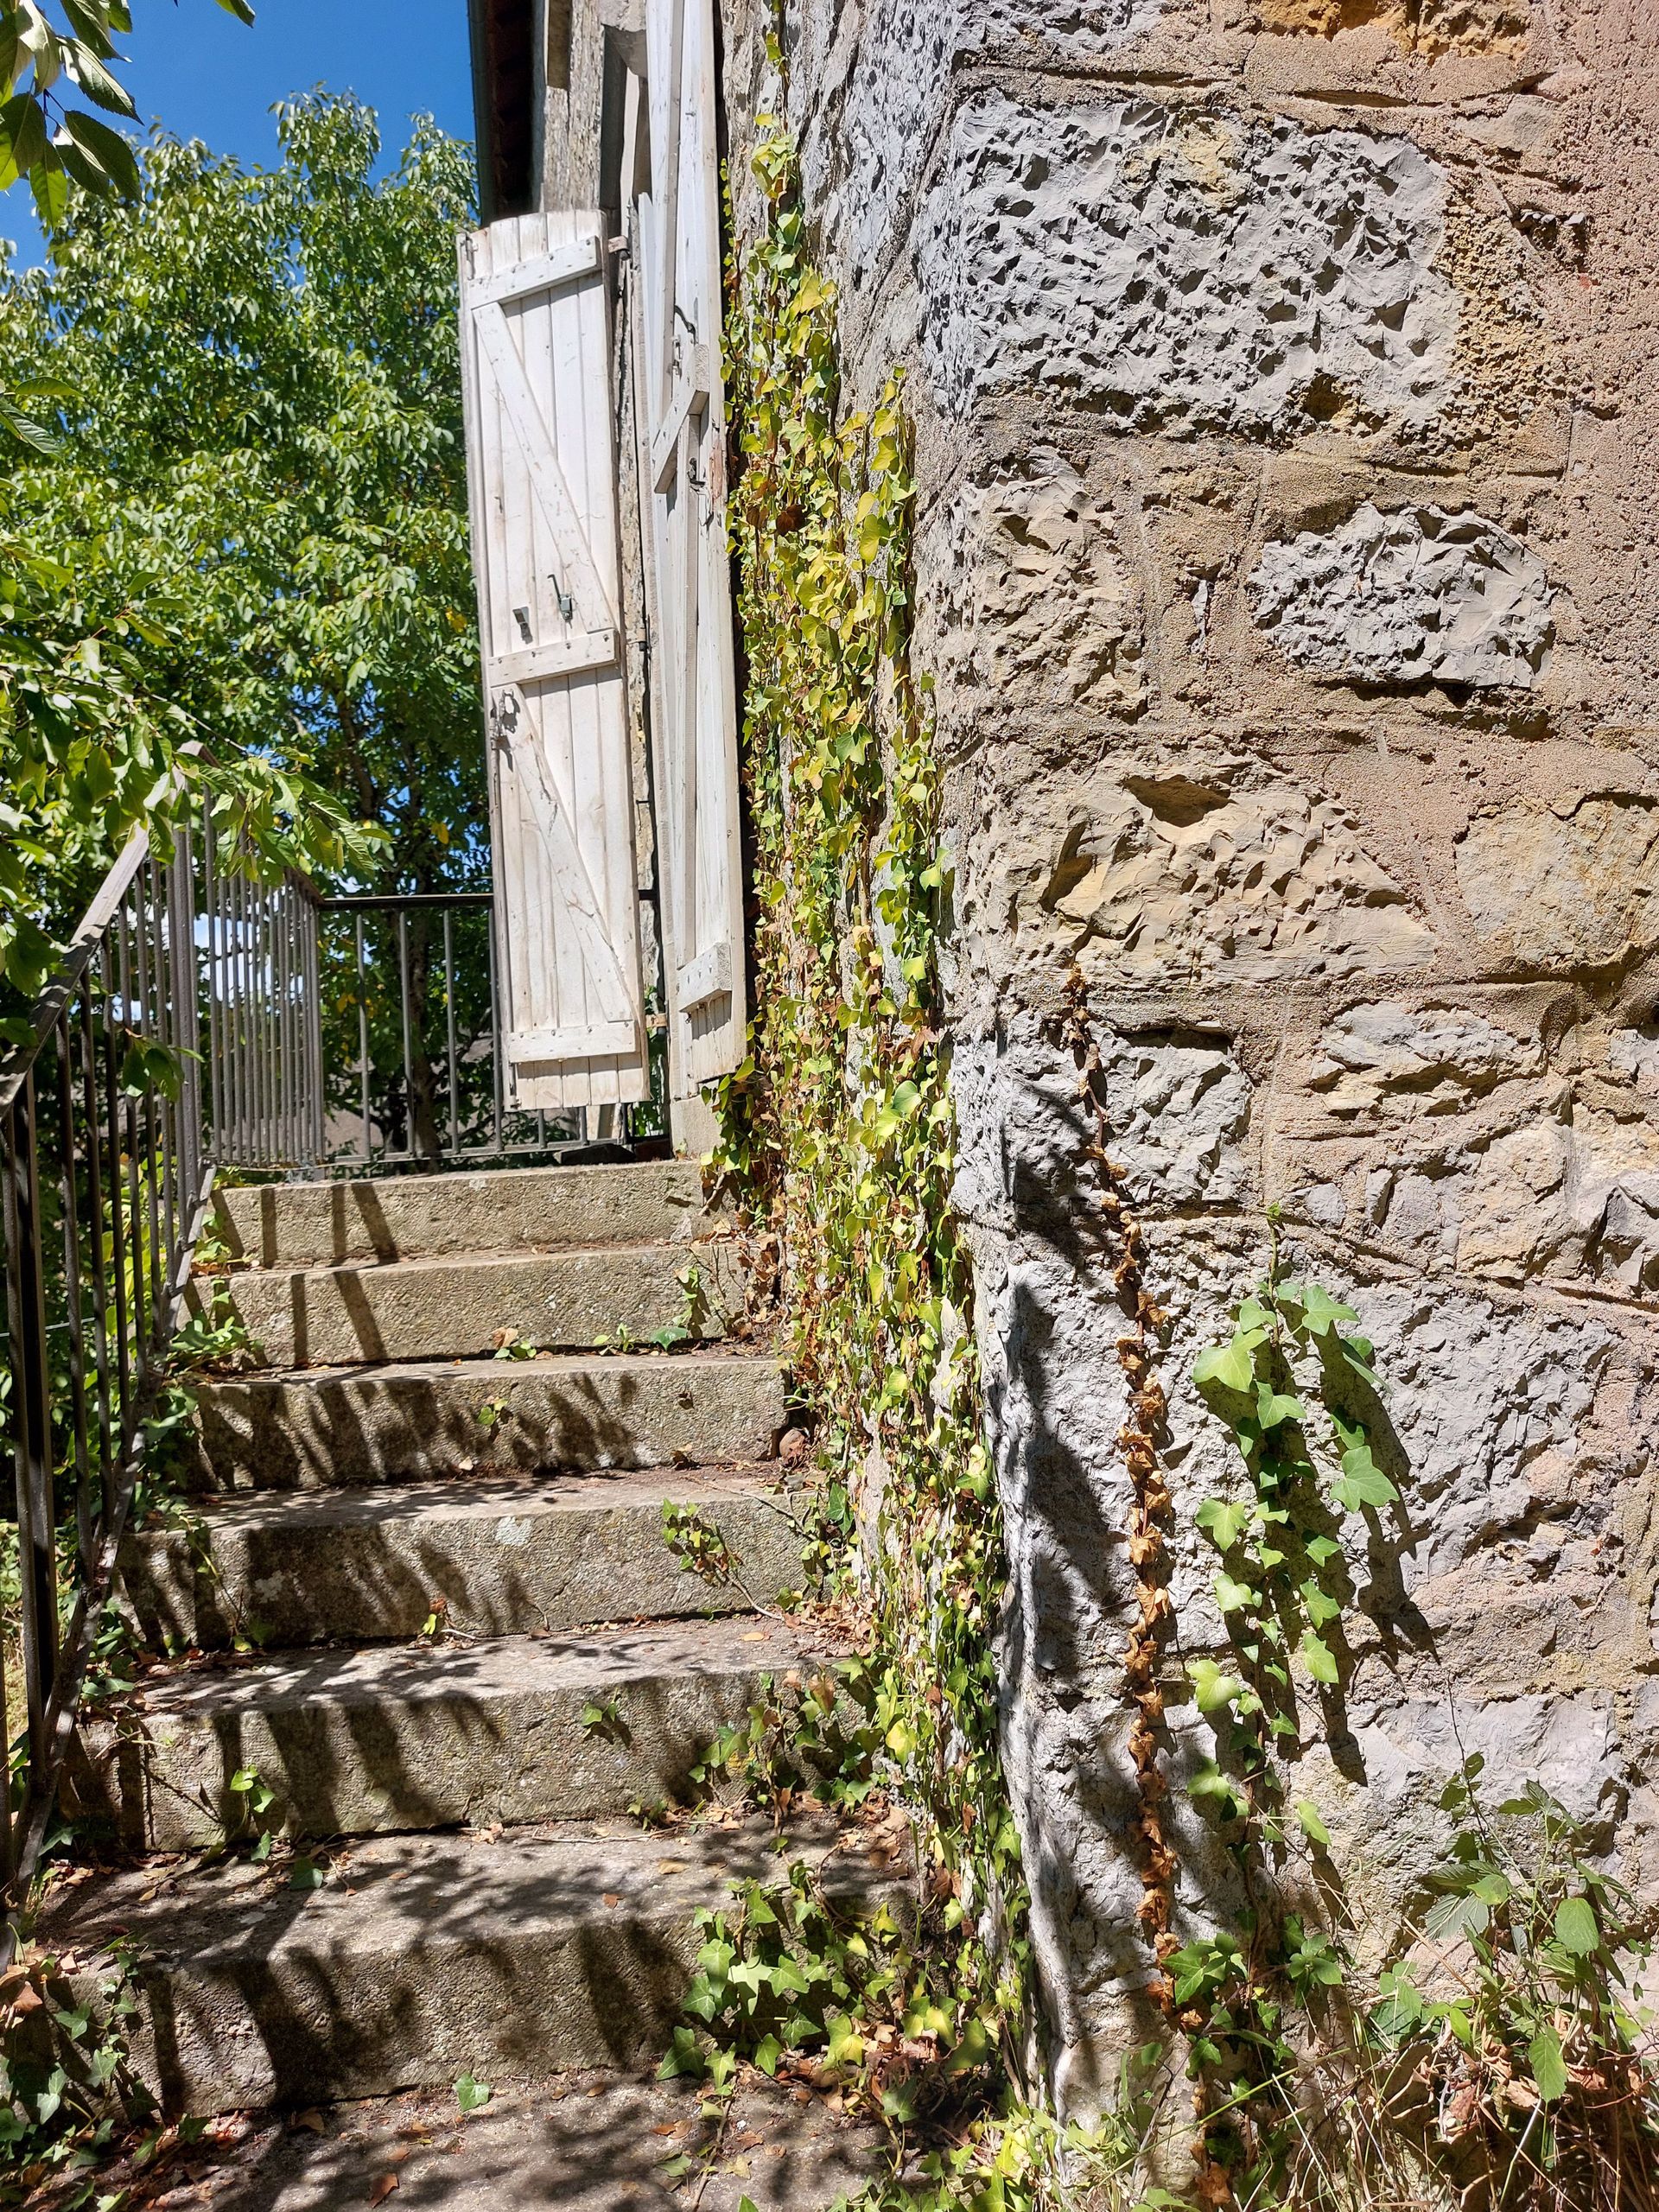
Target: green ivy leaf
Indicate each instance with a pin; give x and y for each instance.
(1313, 1827)
(1234, 1597)
(1318, 1659)
(1274, 1406)
(472, 2094)
(1223, 1523)
(1229, 1366)
(1212, 1686)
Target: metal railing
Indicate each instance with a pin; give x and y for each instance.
(264, 1037)
(414, 1075)
(108, 1149)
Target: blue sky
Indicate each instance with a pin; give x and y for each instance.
(208, 77)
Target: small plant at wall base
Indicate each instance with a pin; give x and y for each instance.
(839, 1138)
(1502, 2059)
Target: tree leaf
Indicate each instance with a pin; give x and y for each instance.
(1318, 1659)
(113, 154)
(23, 137)
(98, 83)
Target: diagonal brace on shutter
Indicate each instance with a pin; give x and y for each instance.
(547, 476)
(586, 914)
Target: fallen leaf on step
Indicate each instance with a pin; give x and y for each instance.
(756, 1636)
(314, 2121)
(383, 2188)
(666, 2127)
(612, 1899)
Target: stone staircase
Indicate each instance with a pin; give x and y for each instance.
(466, 1891)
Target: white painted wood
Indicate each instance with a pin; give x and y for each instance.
(683, 469)
(542, 471)
(541, 273)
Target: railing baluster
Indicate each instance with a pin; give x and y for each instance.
(363, 1040)
(96, 1229)
(74, 1315)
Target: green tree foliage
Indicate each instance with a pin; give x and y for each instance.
(53, 63)
(246, 533)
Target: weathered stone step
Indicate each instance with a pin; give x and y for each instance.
(425, 1957)
(399, 1736)
(490, 1210)
(505, 1554)
(457, 1308)
(331, 1427)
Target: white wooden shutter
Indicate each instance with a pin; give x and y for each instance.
(541, 461)
(683, 459)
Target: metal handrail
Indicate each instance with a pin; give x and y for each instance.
(106, 1185)
(433, 1093)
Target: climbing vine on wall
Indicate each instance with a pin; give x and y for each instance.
(838, 1131)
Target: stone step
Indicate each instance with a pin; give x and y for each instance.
(422, 1958)
(401, 1737)
(505, 1554)
(292, 1225)
(326, 1428)
(457, 1308)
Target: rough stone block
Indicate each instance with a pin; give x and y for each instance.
(1036, 606)
(1410, 597)
(1181, 270)
(1570, 882)
(1179, 876)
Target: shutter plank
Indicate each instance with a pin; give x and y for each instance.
(544, 499)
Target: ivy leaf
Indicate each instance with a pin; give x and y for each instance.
(1210, 1784)
(1575, 1927)
(1229, 1366)
(1234, 1597)
(1548, 2067)
(1309, 1307)
(1362, 1482)
(1318, 1659)
(1223, 1523)
(1322, 1549)
(1272, 1406)
(1313, 1827)
(1321, 1606)
(471, 2094)
(1212, 1686)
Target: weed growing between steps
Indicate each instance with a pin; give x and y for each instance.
(68, 2097)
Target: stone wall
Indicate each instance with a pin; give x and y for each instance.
(1289, 459)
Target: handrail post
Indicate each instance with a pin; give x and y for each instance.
(31, 1408)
